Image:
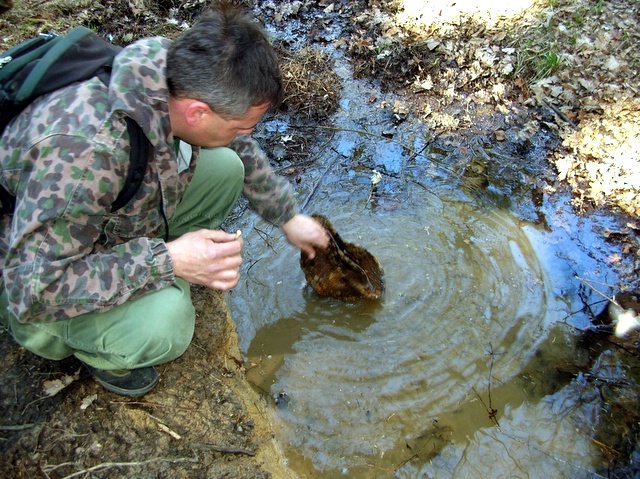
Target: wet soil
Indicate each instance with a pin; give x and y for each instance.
(204, 420)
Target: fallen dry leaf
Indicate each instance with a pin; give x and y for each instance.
(54, 386)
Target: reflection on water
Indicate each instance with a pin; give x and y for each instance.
(447, 366)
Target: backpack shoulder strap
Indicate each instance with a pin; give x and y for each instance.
(76, 56)
(139, 148)
(49, 62)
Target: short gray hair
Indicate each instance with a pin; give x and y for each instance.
(226, 61)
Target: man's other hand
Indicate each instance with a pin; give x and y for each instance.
(210, 258)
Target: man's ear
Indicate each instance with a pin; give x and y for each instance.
(195, 111)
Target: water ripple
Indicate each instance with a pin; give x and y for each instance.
(462, 282)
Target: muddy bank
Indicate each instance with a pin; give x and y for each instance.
(202, 420)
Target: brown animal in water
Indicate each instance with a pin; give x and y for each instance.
(343, 271)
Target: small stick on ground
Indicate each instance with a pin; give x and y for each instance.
(223, 449)
(109, 465)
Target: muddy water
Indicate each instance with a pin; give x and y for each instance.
(460, 370)
(450, 371)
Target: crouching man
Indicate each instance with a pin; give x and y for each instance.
(112, 289)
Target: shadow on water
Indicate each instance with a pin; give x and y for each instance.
(470, 366)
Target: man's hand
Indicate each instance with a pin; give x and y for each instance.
(306, 233)
(207, 257)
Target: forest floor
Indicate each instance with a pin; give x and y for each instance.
(568, 68)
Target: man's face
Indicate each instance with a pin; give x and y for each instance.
(214, 130)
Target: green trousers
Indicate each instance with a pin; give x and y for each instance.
(158, 326)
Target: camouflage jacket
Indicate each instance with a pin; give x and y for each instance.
(63, 253)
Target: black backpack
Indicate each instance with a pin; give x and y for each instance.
(49, 62)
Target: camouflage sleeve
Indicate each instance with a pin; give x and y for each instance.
(56, 265)
(270, 195)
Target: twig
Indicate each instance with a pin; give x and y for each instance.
(585, 307)
(266, 237)
(169, 431)
(47, 468)
(109, 465)
(16, 427)
(223, 449)
(490, 374)
(42, 471)
(559, 113)
(249, 270)
(424, 187)
(317, 183)
(33, 402)
(418, 153)
(608, 449)
(588, 283)
(492, 412)
(164, 428)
